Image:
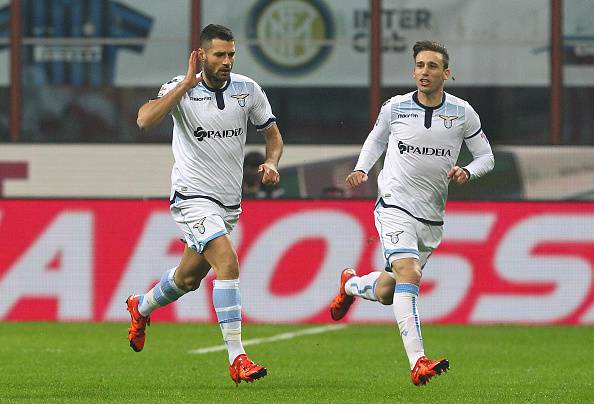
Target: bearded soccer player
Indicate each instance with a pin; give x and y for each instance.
(422, 133)
(210, 110)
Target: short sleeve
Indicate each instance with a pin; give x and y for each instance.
(167, 87)
(261, 111)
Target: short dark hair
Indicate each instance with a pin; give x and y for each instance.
(432, 46)
(214, 31)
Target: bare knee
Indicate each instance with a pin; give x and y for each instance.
(384, 289)
(188, 282)
(407, 270)
(386, 300)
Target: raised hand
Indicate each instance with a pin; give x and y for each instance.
(191, 80)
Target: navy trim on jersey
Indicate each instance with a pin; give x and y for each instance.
(265, 124)
(428, 110)
(474, 134)
(216, 90)
(420, 219)
(218, 93)
(220, 100)
(210, 198)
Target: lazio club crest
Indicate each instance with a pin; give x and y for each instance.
(240, 99)
(448, 119)
(200, 226)
(394, 236)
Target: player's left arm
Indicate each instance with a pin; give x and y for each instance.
(476, 141)
(260, 113)
(274, 151)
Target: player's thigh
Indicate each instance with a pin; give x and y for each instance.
(192, 268)
(206, 227)
(407, 270)
(429, 239)
(222, 256)
(398, 235)
(384, 288)
(200, 221)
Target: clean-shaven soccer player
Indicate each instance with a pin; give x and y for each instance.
(210, 110)
(422, 133)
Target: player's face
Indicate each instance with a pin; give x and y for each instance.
(217, 61)
(429, 73)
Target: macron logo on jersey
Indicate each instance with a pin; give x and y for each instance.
(424, 151)
(202, 133)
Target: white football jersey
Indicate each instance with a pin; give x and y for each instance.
(209, 132)
(423, 144)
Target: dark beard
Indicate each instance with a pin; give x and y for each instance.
(212, 78)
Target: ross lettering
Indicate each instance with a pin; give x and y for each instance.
(500, 262)
(337, 229)
(57, 265)
(569, 276)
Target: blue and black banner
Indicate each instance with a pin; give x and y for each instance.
(76, 62)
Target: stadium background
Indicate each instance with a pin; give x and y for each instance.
(84, 215)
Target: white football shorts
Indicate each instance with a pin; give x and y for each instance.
(202, 220)
(403, 236)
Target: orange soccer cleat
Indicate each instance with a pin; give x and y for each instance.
(425, 369)
(244, 369)
(342, 302)
(138, 323)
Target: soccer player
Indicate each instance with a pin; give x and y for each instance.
(422, 133)
(210, 110)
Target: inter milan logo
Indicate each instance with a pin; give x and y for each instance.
(291, 37)
(240, 99)
(200, 226)
(448, 119)
(394, 236)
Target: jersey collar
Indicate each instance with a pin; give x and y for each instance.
(215, 90)
(416, 100)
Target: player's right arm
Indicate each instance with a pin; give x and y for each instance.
(372, 149)
(153, 112)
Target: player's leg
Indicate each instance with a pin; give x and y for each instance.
(226, 298)
(407, 272)
(194, 219)
(174, 283)
(376, 286)
(397, 236)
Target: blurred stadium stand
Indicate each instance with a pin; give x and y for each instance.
(87, 66)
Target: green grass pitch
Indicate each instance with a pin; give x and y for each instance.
(81, 362)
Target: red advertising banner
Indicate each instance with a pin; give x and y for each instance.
(78, 260)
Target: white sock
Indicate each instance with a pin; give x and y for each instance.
(409, 323)
(227, 303)
(363, 286)
(163, 293)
